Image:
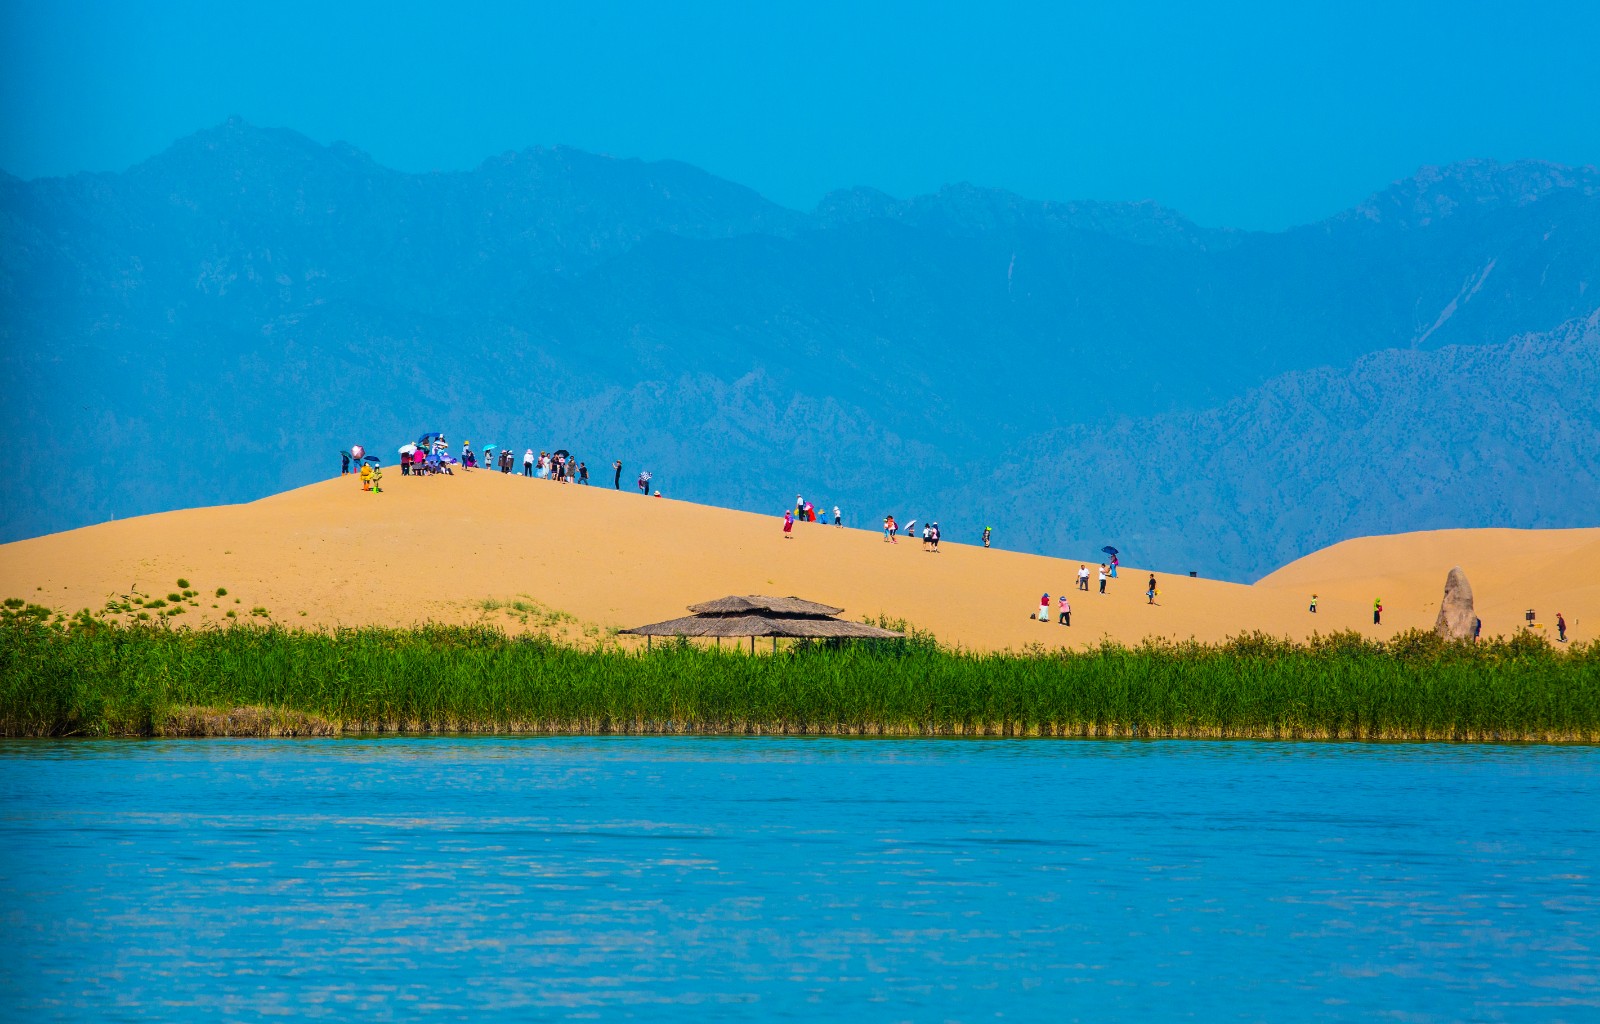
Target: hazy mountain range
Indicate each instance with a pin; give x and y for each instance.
(216, 323)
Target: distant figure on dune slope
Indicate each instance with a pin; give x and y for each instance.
(788, 524)
(1377, 611)
(1044, 608)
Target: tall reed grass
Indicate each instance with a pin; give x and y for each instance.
(85, 677)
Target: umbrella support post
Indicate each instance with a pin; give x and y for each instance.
(647, 643)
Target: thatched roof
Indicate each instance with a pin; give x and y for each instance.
(746, 604)
(760, 625)
(754, 615)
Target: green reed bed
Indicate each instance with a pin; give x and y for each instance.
(90, 678)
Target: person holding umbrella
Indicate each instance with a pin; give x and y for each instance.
(1112, 552)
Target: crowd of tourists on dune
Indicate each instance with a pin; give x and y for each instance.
(430, 455)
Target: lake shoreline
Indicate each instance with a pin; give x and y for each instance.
(87, 678)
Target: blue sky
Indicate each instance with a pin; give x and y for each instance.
(1259, 115)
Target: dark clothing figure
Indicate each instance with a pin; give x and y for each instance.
(344, 463)
(616, 481)
(1561, 628)
(405, 466)
(583, 474)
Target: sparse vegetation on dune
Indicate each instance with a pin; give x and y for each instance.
(83, 676)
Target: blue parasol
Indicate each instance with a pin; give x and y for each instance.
(1108, 549)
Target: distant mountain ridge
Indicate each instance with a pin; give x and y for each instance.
(250, 298)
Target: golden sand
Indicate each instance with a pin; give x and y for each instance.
(440, 548)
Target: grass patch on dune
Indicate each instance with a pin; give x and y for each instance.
(83, 676)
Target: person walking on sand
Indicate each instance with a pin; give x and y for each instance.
(1044, 608)
(1083, 577)
(1477, 628)
(1313, 604)
(1150, 590)
(838, 520)
(344, 463)
(377, 479)
(527, 463)
(1377, 611)
(1064, 611)
(1103, 577)
(1561, 629)
(788, 524)
(366, 476)
(616, 479)
(936, 538)
(583, 474)
(987, 530)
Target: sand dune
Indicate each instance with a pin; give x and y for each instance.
(440, 548)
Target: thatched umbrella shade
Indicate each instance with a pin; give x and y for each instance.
(754, 616)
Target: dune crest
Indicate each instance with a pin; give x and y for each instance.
(582, 561)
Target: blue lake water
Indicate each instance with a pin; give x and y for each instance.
(769, 878)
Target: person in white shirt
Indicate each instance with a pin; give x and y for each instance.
(527, 462)
(1103, 578)
(838, 520)
(1083, 577)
